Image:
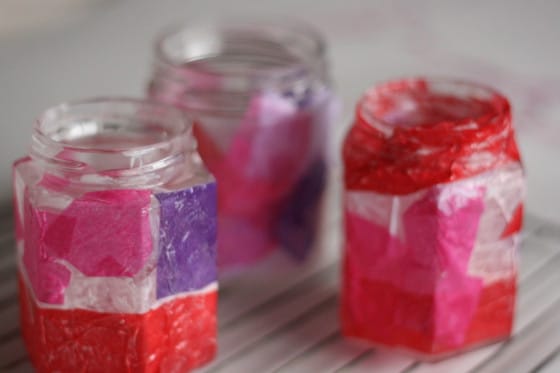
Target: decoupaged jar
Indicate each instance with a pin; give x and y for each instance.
(433, 208)
(261, 100)
(116, 223)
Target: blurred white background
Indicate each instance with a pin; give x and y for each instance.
(56, 50)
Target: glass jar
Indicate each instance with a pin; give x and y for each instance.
(261, 100)
(116, 235)
(433, 208)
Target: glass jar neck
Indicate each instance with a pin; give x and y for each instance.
(222, 65)
(113, 142)
(450, 107)
(415, 133)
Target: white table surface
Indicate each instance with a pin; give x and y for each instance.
(52, 51)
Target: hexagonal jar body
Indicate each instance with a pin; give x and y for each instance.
(116, 224)
(433, 209)
(261, 101)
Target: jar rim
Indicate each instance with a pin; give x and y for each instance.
(120, 138)
(500, 107)
(177, 118)
(419, 140)
(291, 28)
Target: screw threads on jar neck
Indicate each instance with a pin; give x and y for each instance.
(202, 67)
(113, 141)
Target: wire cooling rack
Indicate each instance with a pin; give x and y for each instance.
(292, 326)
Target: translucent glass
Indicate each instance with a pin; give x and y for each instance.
(261, 101)
(116, 224)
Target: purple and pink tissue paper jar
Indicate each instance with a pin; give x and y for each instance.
(262, 104)
(116, 223)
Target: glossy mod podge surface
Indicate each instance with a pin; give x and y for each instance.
(116, 234)
(433, 201)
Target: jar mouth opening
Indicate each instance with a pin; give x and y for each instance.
(111, 125)
(416, 103)
(125, 140)
(242, 49)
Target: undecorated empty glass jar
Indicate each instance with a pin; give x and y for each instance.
(116, 223)
(262, 103)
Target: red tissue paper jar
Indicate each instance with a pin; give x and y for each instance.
(434, 191)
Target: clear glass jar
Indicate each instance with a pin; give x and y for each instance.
(261, 100)
(116, 232)
(433, 208)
